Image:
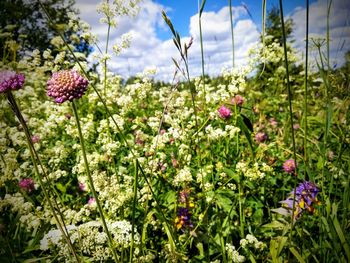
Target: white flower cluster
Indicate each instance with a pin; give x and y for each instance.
(233, 254)
(251, 240)
(183, 176)
(90, 239)
(26, 211)
(256, 172)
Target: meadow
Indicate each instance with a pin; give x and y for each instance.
(249, 166)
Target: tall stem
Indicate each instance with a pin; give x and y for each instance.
(34, 156)
(200, 7)
(91, 183)
(232, 36)
(290, 113)
(306, 90)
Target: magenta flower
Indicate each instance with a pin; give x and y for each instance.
(66, 85)
(224, 112)
(260, 137)
(237, 100)
(35, 139)
(27, 185)
(10, 80)
(82, 187)
(289, 166)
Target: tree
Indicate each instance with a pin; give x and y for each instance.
(25, 22)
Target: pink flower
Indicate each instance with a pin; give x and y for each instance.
(296, 126)
(260, 137)
(27, 185)
(35, 139)
(91, 201)
(82, 187)
(237, 100)
(224, 112)
(273, 122)
(289, 166)
(10, 80)
(66, 85)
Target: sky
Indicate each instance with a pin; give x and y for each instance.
(152, 46)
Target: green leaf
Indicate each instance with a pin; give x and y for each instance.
(246, 132)
(341, 237)
(297, 255)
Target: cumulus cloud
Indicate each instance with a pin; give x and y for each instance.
(148, 50)
(338, 23)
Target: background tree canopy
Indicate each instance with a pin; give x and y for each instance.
(25, 22)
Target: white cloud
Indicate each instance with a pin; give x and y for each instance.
(339, 28)
(147, 50)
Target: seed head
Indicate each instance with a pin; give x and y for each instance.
(66, 85)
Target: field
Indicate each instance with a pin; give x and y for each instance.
(249, 166)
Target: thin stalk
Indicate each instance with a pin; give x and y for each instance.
(232, 36)
(329, 4)
(290, 112)
(34, 156)
(133, 212)
(91, 183)
(200, 7)
(241, 214)
(306, 91)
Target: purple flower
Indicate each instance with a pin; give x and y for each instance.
(289, 166)
(27, 185)
(305, 199)
(10, 80)
(66, 85)
(261, 137)
(224, 112)
(237, 100)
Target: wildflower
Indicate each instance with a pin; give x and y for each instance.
(224, 112)
(35, 139)
(237, 100)
(66, 85)
(289, 166)
(27, 185)
(91, 201)
(305, 199)
(273, 122)
(296, 126)
(10, 80)
(261, 137)
(82, 187)
(183, 218)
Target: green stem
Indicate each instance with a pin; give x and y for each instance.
(232, 36)
(202, 51)
(241, 215)
(306, 92)
(290, 112)
(34, 157)
(133, 212)
(91, 183)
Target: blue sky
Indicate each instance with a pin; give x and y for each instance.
(152, 46)
(180, 11)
